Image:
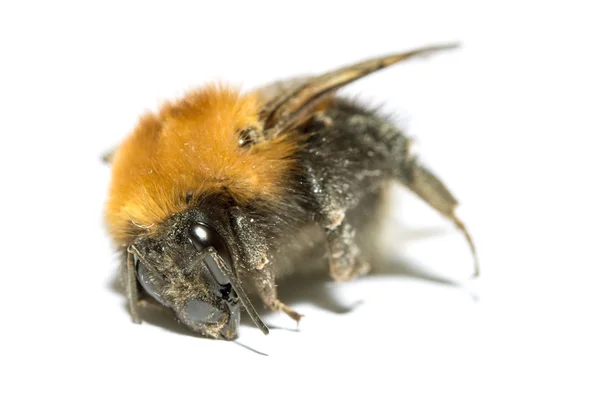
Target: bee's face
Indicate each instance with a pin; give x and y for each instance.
(174, 268)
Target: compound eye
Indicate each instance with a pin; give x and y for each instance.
(149, 282)
(203, 237)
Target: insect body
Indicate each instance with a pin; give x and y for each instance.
(219, 194)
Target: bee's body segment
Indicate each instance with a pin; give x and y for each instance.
(257, 180)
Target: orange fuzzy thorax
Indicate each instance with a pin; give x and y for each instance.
(191, 147)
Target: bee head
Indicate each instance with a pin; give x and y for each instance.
(187, 265)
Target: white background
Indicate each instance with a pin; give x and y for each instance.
(510, 122)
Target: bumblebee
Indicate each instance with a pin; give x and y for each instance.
(220, 194)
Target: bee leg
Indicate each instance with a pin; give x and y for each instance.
(268, 294)
(344, 256)
(132, 289)
(433, 191)
(264, 281)
(259, 270)
(345, 259)
(276, 305)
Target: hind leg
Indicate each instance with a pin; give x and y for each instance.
(433, 191)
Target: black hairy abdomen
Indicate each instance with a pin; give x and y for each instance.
(350, 151)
